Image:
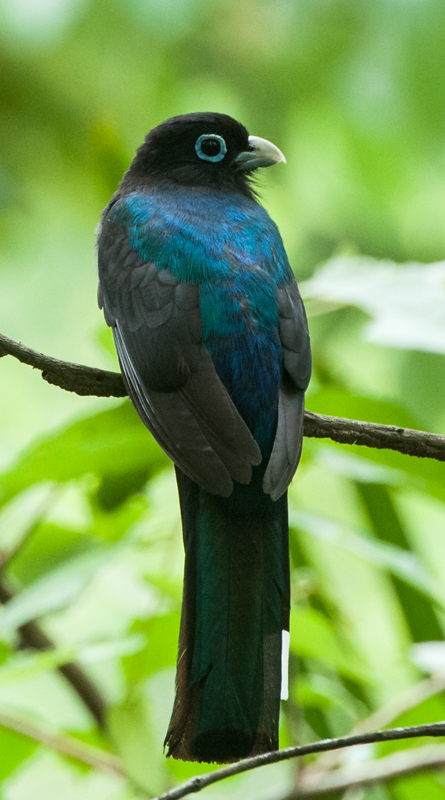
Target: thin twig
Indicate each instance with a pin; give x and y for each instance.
(404, 762)
(67, 745)
(32, 636)
(381, 718)
(200, 782)
(101, 383)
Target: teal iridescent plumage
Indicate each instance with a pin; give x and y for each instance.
(240, 267)
(212, 340)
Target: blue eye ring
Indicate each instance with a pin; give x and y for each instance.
(204, 138)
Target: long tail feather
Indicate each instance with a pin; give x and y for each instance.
(235, 606)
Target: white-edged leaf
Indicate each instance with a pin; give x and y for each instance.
(22, 666)
(359, 469)
(405, 301)
(102, 651)
(429, 657)
(53, 591)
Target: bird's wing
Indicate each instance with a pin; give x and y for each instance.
(297, 365)
(169, 374)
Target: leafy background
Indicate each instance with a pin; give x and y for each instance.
(354, 93)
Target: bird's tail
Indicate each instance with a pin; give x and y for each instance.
(235, 607)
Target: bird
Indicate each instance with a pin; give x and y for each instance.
(213, 344)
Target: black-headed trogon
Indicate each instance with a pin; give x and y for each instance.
(214, 349)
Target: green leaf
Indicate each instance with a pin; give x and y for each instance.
(424, 474)
(313, 636)
(15, 750)
(387, 526)
(340, 403)
(399, 561)
(112, 525)
(52, 777)
(21, 667)
(115, 489)
(53, 591)
(132, 731)
(418, 787)
(49, 547)
(431, 709)
(114, 442)
(350, 465)
(317, 691)
(160, 650)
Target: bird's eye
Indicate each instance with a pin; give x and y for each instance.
(211, 147)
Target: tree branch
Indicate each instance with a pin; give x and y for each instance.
(67, 745)
(371, 434)
(200, 782)
(71, 377)
(101, 383)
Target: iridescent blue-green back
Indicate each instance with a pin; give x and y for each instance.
(207, 319)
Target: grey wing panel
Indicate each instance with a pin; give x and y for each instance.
(297, 365)
(294, 335)
(286, 450)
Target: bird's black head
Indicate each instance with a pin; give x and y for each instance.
(205, 149)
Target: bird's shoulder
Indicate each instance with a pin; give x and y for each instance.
(194, 232)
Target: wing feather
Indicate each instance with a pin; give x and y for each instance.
(167, 369)
(297, 364)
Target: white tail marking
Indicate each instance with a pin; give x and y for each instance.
(285, 642)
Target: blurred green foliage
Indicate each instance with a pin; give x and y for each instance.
(354, 93)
